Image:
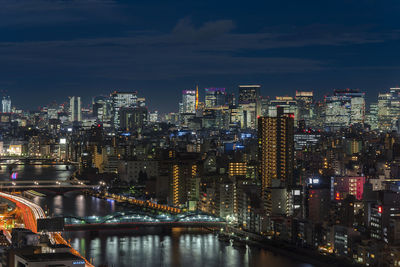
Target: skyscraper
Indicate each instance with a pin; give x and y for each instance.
(189, 101)
(215, 97)
(249, 105)
(276, 151)
(75, 108)
(343, 108)
(120, 100)
(249, 93)
(389, 109)
(305, 101)
(6, 104)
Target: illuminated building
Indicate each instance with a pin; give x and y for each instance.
(6, 104)
(343, 186)
(388, 109)
(217, 117)
(102, 109)
(371, 117)
(185, 182)
(75, 108)
(305, 109)
(133, 118)
(215, 97)
(288, 103)
(276, 152)
(343, 108)
(249, 105)
(305, 139)
(249, 93)
(237, 169)
(189, 101)
(120, 100)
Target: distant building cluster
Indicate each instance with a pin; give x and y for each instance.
(322, 175)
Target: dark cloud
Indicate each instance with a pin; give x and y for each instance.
(52, 46)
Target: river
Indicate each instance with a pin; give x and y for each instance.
(142, 247)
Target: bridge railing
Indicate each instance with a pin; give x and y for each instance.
(130, 217)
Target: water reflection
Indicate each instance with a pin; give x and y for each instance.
(149, 246)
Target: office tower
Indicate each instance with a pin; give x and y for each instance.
(120, 100)
(189, 101)
(389, 109)
(287, 102)
(276, 148)
(215, 97)
(384, 112)
(102, 108)
(305, 101)
(6, 104)
(249, 105)
(371, 117)
(343, 108)
(133, 118)
(75, 108)
(249, 93)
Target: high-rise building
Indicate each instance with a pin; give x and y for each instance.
(249, 105)
(75, 109)
(102, 108)
(133, 118)
(343, 108)
(189, 101)
(371, 117)
(276, 152)
(305, 101)
(249, 93)
(287, 102)
(6, 104)
(215, 97)
(184, 183)
(389, 109)
(120, 100)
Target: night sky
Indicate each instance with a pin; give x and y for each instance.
(50, 50)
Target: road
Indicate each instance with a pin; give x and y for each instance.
(31, 212)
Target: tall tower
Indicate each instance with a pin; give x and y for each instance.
(75, 108)
(6, 104)
(197, 96)
(276, 148)
(189, 101)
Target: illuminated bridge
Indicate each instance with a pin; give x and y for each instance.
(54, 186)
(134, 219)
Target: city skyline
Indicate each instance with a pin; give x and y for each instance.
(90, 48)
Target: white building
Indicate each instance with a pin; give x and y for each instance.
(6, 104)
(120, 100)
(75, 108)
(189, 101)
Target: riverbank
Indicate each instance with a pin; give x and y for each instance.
(288, 250)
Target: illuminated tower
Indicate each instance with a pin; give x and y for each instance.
(6, 104)
(75, 108)
(197, 96)
(276, 146)
(189, 101)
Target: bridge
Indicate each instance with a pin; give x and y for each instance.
(54, 186)
(135, 219)
(17, 160)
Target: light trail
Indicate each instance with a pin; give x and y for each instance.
(38, 213)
